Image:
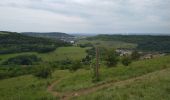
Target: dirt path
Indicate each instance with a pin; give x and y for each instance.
(69, 95)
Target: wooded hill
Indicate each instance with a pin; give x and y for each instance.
(53, 35)
(12, 42)
(144, 42)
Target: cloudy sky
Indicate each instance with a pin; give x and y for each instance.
(85, 16)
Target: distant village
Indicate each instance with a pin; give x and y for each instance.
(144, 55)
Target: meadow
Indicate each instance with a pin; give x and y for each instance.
(74, 53)
(83, 78)
(152, 87)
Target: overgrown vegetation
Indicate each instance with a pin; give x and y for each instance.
(22, 60)
(111, 58)
(43, 71)
(126, 60)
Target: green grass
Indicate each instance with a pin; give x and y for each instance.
(108, 44)
(83, 78)
(28, 87)
(154, 87)
(74, 53)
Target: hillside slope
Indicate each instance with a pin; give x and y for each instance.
(13, 42)
(52, 35)
(144, 42)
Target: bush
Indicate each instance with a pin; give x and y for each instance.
(111, 58)
(75, 66)
(22, 60)
(135, 55)
(13, 71)
(126, 61)
(43, 72)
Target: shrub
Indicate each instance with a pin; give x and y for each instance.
(126, 61)
(43, 72)
(22, 60)
(111, 58)
(75, 66)
(135, 55)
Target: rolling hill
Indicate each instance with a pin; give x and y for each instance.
(144, 42)
(52, 35)
(12, 42)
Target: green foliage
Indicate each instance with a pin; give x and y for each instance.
(89, 57)
(62, 64)
(85, 45)
(43, 72)
(13, 71)
(111, 58)
(135, 55)
(22, 60)
(126, 61)
(75, 65)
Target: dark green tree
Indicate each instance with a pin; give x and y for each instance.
(43, 72)
(135, 55)
(111, 58)
(126, 61)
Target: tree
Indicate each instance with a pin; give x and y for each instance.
(126, 61)
(135, 55)
(111, 58)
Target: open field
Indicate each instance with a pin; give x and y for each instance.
(108, 44)
(74, 53)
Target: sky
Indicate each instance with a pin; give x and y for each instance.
(85, 16)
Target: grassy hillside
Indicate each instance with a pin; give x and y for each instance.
(112, 74)
(49, 34)
(52, 35)
(29, 87)
(53, 59)
(13, 42)
(152, 87)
